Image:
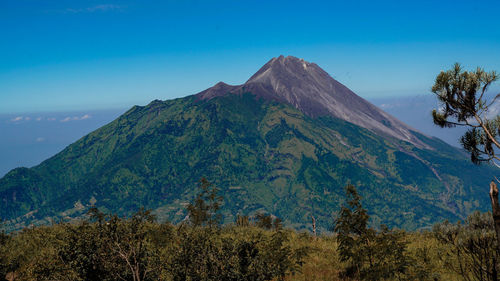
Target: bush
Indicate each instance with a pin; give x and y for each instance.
(252, 254)
(471, 247)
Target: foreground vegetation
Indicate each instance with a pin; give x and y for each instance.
(106, 247)
(140, 249)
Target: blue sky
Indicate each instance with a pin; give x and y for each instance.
(65, 55)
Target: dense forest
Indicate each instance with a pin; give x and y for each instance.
(108, 247)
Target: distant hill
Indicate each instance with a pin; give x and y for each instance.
(284, 143)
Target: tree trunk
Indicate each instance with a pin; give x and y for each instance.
(314, 226)
(495, 208)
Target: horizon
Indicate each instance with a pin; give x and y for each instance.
(92, 55)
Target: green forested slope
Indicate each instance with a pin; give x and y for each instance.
(264, 156)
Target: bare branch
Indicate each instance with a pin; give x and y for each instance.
(488, 133)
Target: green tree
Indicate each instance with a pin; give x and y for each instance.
(199, 255)
(83, 250)
(33, 254)
(204, 210)
(464, 103)
(370, 255)
(112, 248)
(276, 258)
(388, 257)
(352, 231)
(130, 248)
(462, 94)
(268, 222)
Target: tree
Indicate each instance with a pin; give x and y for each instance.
(130, 244)
(462, 94)
(83, 250)
(206, 205)
(242, 221)
(33, 254)
(464, 103)
(370, 255)
(352, 231)
(267, 222)
(120, 249)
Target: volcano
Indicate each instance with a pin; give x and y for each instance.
(285, 143)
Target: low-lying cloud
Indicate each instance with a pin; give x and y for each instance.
(76, 118)
(19, 119)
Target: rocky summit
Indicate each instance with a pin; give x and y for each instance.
(284, 143)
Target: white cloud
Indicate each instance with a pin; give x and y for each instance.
(76, 118)
(20, 118)
(97, 8)
(104, 8)
(40, 118)
(40, 139)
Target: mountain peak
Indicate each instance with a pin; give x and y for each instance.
(283, 67)
(313, 91)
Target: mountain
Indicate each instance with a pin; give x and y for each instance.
(312, 91)
(286, 142)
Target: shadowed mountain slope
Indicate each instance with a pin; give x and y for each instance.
(285, 143)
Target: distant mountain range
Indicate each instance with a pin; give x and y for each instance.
(285, 143)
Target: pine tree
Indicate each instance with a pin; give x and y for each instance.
(462, 95)
(352, 231)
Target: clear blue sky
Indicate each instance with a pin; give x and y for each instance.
(78, 55)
